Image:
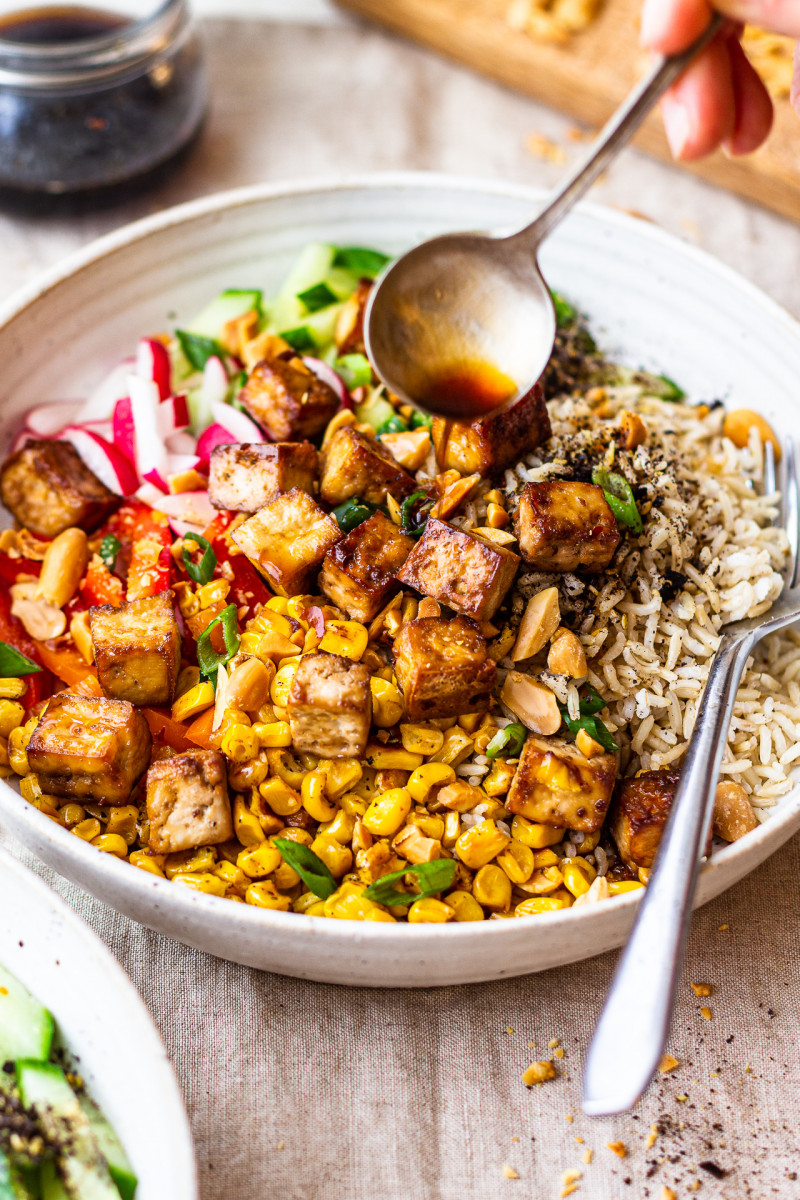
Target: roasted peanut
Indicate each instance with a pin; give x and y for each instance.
(534, 704)
(63, 567)
(737, 426)
(566, 655)
(248, 685)
(539, 623)
(633, 430)
(587, 745)
(733, 812)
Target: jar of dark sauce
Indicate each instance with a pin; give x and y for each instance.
(95, 104)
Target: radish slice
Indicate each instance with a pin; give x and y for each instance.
(215, 435)
(152, 364)
(100, 404)
(22, 439)
(215, 381)
(151, 453)
(329, 376)
(123, 431)
(181, 443)
(46, 420)
(150, 495)
(237, 423)
(191, 508)
(178, 463)
(173, 415)
(102, 458)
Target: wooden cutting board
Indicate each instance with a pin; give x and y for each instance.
(587, 78)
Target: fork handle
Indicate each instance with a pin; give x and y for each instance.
(634, 1025)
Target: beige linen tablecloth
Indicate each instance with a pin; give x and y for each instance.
(300, 1091)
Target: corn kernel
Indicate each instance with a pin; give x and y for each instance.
(71, 814)
(421, 739)
(499, 779)
(543, 881)
(286, 767)
(350, 906)
(313, 796)
(341, 775)
(202, 881)
(285, 877)
(427, 777)
(464, 906)
(536, 836)
(353, 804)
(341, 827)
(240, 743)
(337, 858)
(456, 747)
(232, 876)
(195, 701)
(348, 638)
(391, 757)
(517, 860)
(111, 843)
(12, 715)
(387, 813)
(491, 887)
(429, 824)
(387, 703)
(544, 858)
(12, 689)
(266, 895)
(479, 845)
(259, 861)
(618, 887)
(281, 684)
(277, 604)
(87, 830)
(539, 904)
(281, 798)
(242, 776)
(17, 749)
(275, 734)
(142, 860)
(430, 911)
(578, 875)
(184, 862)
(293, 834)
(246, 825)
(122, 820)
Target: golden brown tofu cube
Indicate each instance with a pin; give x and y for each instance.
(443, 667)
(350, 325)
(90, 748)
(187, 802)
(137, 649)
(287, 400)
(463, 570)
(565, 526)
(640, 813)
(287, 539)
(48, 489)
(330, 706)
(360, 573)
(355, 465)
(492, 443)
(557, 785)
(245, 477)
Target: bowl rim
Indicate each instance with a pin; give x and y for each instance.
(249, 917)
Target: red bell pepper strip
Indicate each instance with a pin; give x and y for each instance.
(166, 731)
(12, 568)
(248, 591)
(99, 586)
(12, 631)
(151, 557)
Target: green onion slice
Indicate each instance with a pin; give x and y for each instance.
(413, 525)
(433, 877)
(200, 572)
(619, 496)
(352, 513)
(207, 658)
(392, 425)
(311, 869)
(421, 420)
(109, 549)
(317, 297)
(14, 663)
(197, 350)
(566, 314)
(360, 260)
(593, 726)
(508, 742)
(591, 701)
(355, 370)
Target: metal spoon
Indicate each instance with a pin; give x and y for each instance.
(467, 302)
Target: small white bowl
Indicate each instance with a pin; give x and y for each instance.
(652, 301)
(104, 1025)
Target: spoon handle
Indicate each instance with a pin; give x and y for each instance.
(615, 134)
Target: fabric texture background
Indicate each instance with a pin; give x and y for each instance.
(302, 1091)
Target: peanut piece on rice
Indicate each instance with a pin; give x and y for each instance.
(566, 655)
(737, 426)
(534, 704)
(733, 812)
(633, 430)
(539, 623)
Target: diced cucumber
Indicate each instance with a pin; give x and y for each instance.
(375, 410)
(111, 1148)
(26, 1027)
(52, 1187)
(228, 306)
(314, 331)
(311, 267)
(12, 1181)
(44, 1088)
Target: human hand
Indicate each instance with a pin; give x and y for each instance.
(719, 101)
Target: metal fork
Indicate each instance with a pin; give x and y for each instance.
(634, 1025)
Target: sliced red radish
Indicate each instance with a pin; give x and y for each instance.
(215, 381)
(124, 433)
(192, 509)
(100, 404)
(150, 495)
(152, 364)
(46, 420)
(329, 376)
(151, 453)
(102, 458)
(173, 415)
(236, 422)
(181, 443)
(215, 435)
(178, 463)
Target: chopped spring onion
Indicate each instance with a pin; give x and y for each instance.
(109, 549)
(566, 314)
(668, 389)
(619, 496)
(352, 513)
(421, 420)
(355, 370)
(319, 296)
(508, 742)
(300, 339)
(394, 424)
(14, 663)
(200, 572)
(360, 260)
(311, 869)
(413, 524)
(197, 350)
(207, 657)
(591, 702)
(433, 877)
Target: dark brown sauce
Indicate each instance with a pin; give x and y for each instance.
(59, 24)
(467, 391)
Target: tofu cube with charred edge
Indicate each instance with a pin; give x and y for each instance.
(243, 477)
(463, 570)
(330, 706)
(287, 400)
(355, 465)
(489, 444)
(47, 488)
(443, 668)
(360, 573)
(639, 814)
(90, 748)
(287, 540)
(187, 802)
(137, 649)
(565, 526)
(557, 785)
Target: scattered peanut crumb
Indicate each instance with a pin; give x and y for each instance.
(570, 1118)
(667, 1064)
(701, 989)
(568, 1190)
(509, 1172)
(280, 1145)
(576, 133)
(542, 147)
(748, 1070)
(509, 1029)
(559, 1053)
(694, 1186)
(618, 1148)
(538, 1072)
(667, 1193)
(579, 1139)
(682, 1096)
(588, 1155)
(531, 1045)
(723, 927)
(515, 1139)
(551, 1045)
(652, 1137)
(706, 1012)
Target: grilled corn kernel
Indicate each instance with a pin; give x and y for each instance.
(111, 843)
(202, 881)
(533, 835)
(618, 887)
(341, 827)
(259, 861)
(122, 820)
(71, 814)
(491, 887)
(464, 906)
(452, 829)
(232, 876)
(421, 739)
(479, 845)
(498, 781)
(458, 796)
(276, 604)
(544, 858)
(431, 825)
(428, 777)
(188, 677)
(12, 689)
(142, 860)
(387, 703)
(539, 904)
(348, 638)
(182, 862)
(245, 775)
(279, 689)
(455, 748)
(246, 825)
(347, 905)
(430, 911)
(286, 767)
(281, 798)
(362, 838)
(240, 743)
(341, 775)
(285, 877)
(314, 799)
(578, 875)
(517, 860)
(88, 829)
(17, 749)
(273, 735)
(353, 804)
(292, 834)
(391, 758)
(266, 895)
(45, 805)
(195, 701)
(387, 813)
(337, 858)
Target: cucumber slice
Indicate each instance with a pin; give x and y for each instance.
(375, 410)
(12, 1182)
(227, 307)
(44, 1088)
(111, 1148)
(314, 331)
(310, 268)
(26, 1027)
(52, 1187)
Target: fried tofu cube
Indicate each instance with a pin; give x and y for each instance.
(47, 488)
(466, 571)
(443, 668)
(355, 465)
(244, 477)
(330, 706)
(90, 748)
(287, 399)
(137, 649)
(640, 813)
(350, 325)
(287, 540)
(557, 785)
(187, 802)
(565, 526)
(489, 444)
(360, 573)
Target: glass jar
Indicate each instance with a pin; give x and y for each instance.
(93, 100)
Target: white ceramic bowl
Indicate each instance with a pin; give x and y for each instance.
(101, 1022)
(652, 300)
